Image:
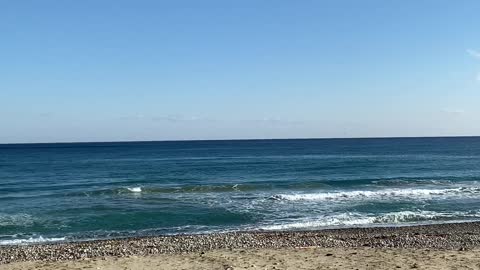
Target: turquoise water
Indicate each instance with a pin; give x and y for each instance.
(79, 191)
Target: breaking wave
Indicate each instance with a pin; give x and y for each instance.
(31, 240)
(357, 219)
(388, 194)
(135, 189)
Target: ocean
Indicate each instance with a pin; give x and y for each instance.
(84, 191)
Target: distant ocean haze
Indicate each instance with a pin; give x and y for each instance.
(80, 191)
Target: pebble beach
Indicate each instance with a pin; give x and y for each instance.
(454, 237)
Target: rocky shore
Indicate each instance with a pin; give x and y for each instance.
(454, 236)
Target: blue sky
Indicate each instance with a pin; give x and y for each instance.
(161, 70)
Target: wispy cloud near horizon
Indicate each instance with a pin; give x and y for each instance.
(453, 111)
(178, 118)
(474, 53)
(275, 121)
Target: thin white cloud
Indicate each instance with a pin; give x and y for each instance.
(455, 112)
(137, 116)
(179, 118)
(166, 118)
(474, 53)
(46, 115)
(275, 121)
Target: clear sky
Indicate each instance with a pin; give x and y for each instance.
(108, 70)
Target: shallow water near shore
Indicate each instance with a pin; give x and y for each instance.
(79, 191)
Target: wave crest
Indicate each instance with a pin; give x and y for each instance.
(31, 240)
(135, 189)
(357, 219)
(390, 194)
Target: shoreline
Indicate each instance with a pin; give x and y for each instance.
(447, 236)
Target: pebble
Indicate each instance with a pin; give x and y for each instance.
(454, 236)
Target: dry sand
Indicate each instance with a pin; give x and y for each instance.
(285, 258)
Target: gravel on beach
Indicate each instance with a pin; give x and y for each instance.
(454, 236)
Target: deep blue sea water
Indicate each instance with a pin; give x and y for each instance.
(80, 191)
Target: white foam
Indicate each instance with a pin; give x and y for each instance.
(357, 219)
(389, 194)
(30, 240)
(24, 220)
(135, 189)
(346, 219)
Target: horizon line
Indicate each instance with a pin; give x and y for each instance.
(252, 139)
